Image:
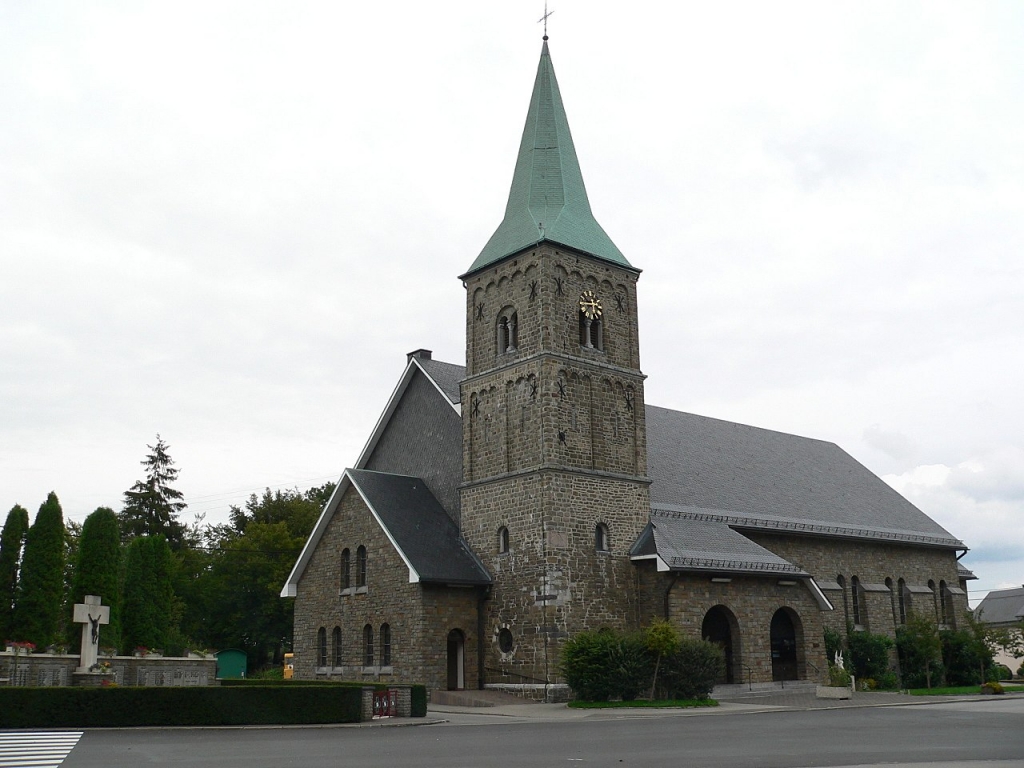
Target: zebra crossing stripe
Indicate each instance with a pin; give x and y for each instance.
(37, 749)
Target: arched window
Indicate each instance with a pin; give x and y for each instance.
(591, 332)
(904, 600)
(502, 539)
(857, 602)
(336, 647)
(361, 566)
(367, 646)
(321, 647)
(385, 645)
(935, 605)
(346, 568)
(508, 332)
(601, 542)
(946, 606)
(846, 605)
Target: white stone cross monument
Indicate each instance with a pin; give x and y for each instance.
(90, 615)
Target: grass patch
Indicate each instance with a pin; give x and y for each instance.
(661, 704)
(957, 690)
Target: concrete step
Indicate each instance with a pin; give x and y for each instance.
(476, 698)
(756, 690)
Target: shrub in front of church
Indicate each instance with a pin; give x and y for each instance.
(966, 656)
(632, 666)
(692, 671)
(604, 665)
(869, 654)
(920, 652)
(587, 663)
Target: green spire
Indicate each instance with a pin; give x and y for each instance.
(548, 201)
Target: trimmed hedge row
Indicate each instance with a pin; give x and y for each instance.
(212, 705)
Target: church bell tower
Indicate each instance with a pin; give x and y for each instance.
(555, 487)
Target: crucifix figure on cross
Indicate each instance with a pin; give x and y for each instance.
(90, 614)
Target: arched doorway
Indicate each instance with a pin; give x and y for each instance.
(720, 627)
(456, 660)
(785, 665)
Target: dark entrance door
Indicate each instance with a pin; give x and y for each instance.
(456, 652)
(716, 629)
(783, 634)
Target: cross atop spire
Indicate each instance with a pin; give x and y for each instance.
(544, 18)
(548, 201)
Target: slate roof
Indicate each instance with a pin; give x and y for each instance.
(419, 527)
(965, 573)
(447, 376)
(759, 478)
(1002, 606)
(694, 542)
(710, 480)
(547, 200)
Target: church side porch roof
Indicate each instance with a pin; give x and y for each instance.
(419, 528)
(687, 542)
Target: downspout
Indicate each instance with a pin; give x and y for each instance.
(671, 584)
(481, 597)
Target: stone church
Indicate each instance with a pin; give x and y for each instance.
(500, 507)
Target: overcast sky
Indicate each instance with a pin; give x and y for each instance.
(228, 223)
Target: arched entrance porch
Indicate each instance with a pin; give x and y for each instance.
(456, 660)
(720, 627)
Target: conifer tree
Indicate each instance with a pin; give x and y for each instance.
(12, 540)
(151, 506)
(97, 572)
(148, 596)
(41, 586)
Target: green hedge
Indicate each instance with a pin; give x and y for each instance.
(213, 705)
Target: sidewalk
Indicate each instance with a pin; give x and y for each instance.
(730, 704)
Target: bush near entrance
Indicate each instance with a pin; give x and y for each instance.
(603, 665)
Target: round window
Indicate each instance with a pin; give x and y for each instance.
(505, 640)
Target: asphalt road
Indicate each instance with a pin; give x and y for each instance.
(981, 734)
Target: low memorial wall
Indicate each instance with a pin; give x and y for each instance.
(54, 669)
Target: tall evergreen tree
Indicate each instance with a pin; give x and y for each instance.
(148, 598)
(12, 540)
(151, 506)
(97, 572)
(41, 587)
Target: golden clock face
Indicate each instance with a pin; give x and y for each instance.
(590, 305)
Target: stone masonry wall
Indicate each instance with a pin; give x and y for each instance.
(416, 653)
(872, 563)
(543, 287)
(553, 582)
(45, 669)
(554, 445)
(751, 602)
